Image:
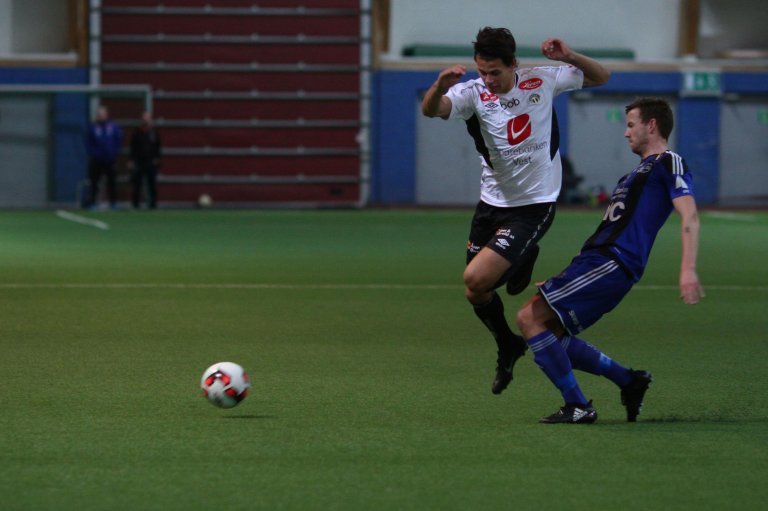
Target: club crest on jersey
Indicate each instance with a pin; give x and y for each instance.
(534, 99)
(530, 84)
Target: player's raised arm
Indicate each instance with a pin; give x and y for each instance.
(594, 72)
(690, 287)
(435, 103)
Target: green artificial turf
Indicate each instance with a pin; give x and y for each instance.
(371, 376)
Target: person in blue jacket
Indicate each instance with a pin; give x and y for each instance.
(105, 138)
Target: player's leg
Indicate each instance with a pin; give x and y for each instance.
(111, 172)
(481, 275)
(94, 174)
(152, 186)
(137, 182)
(589, 288)
(520, 278)
(541, 328)
(509, 238)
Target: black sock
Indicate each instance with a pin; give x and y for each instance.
(491, 314)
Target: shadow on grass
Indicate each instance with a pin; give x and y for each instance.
(672, 419)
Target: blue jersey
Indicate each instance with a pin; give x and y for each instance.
(640, 204)
(104, 141)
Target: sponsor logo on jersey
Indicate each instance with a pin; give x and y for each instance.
(526, 149)
(534, 99)
(472, 248)
(645, 168)
(614, 211)
(507, 104)
(487, 96)
(519, 129)
(530, 84)
(522, 161)
(505, 232)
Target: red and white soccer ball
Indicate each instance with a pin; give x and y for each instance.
(225, 384)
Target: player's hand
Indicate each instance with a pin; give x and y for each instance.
(450, 77)
(691, 291)
(556, 49)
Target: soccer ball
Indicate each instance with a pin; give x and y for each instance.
(225, 384)
(204, 201)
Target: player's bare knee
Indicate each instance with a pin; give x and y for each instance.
(473, 280)
(478, 281)
(525, 319)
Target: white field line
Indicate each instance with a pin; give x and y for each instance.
(66, 215)
(341, 287)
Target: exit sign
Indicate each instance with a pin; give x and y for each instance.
(701, 83)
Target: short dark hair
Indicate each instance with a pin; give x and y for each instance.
(496, 43)
(654, 108)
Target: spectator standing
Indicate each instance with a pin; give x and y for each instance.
(103, 145)
(145, 158)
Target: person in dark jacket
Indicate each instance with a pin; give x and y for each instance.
(145, 158)
(103, 146)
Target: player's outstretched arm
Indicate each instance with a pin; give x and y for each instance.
(690, 287)
(435, 103)
(594, 73)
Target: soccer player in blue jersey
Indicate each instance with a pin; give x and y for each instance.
(609, 264)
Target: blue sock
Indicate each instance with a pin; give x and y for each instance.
(585, 357)
(551, 357)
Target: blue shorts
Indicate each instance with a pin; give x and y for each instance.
(592, 285)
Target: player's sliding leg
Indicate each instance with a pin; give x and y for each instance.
(633, 384)
(551, 357)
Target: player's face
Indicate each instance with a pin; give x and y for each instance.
(636, 132)
(497, 76)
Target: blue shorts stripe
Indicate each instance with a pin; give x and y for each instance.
(592, 285)
(584, 280)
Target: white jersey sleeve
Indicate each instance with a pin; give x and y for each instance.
(568, 78)
(462, 96)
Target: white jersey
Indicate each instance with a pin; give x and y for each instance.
(513, 132)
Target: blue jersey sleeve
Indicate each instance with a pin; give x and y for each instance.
(676, 175)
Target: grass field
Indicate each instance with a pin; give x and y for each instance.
(371, 374)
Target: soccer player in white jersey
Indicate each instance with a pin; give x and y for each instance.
(509, 113)
(609, 264)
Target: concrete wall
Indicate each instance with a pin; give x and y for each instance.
(650, 27)
(34, 26)
(6, 12)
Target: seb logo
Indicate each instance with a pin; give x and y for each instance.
(488, 97)
(518, 129)
(533, 83)
(614, 211)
